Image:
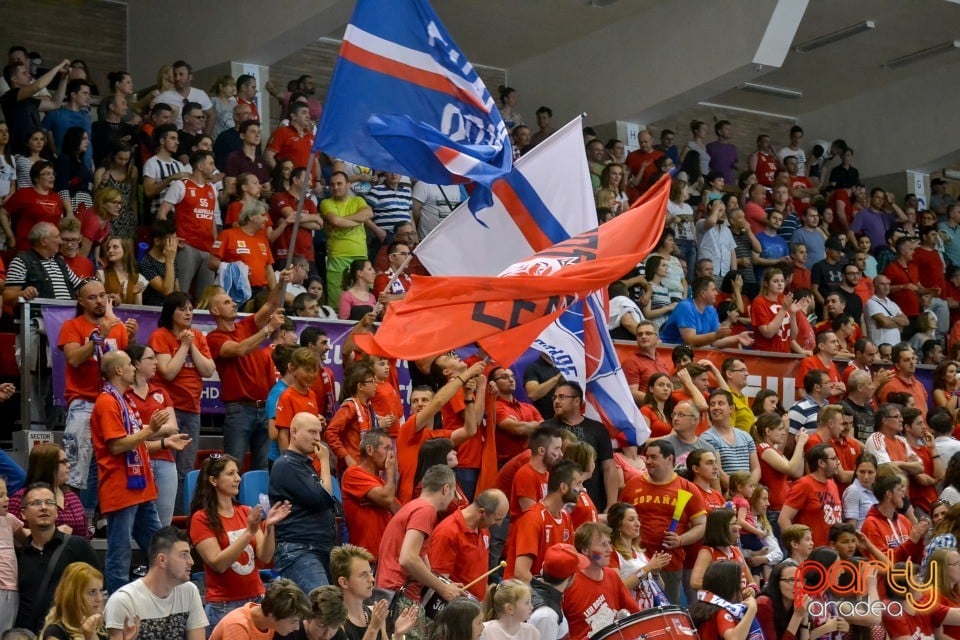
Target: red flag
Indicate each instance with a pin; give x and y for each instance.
(505, 314)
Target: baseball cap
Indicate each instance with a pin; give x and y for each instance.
(562, 561)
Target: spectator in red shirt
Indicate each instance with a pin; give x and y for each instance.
(354, 416)
(229, 538)
(127, 490)
(721, 582)
(397, 254)
(641, 162)
(30, 205)
(644, 362)
(369, 500)
(70, 248)
(246, 371)
(515, 420)
(905, 287)
(294, 141)
(814, 499)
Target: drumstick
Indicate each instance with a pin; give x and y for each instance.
(502, 565)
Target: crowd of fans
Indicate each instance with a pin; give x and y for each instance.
(375, 521)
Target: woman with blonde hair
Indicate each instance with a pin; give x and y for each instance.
(120, 276)
(77, 611)
(118, 174)
(96, 224)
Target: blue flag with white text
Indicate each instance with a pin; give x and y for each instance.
(404, 99)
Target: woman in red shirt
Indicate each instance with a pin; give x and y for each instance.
(229, 538)
(772, 314)
(653, 406)
(720, 543)
(776, 470)
(713, 621)
(147, 397)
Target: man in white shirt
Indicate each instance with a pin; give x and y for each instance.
(182, 93)
(432, 203)
(884, 317)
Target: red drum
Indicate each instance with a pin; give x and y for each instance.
(432, 602)
(662, 623)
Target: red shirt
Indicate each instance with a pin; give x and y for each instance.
(416, 515)
(387, 401)
(246, 377)
(636, 159)
(756, 216)
(304, 244)
(401, 285)
(287, 142)
(26, 207)
(923, 497)
(84, 382)
(762, 312)
(291, 402)
(408, 452)
(658, 426)
(528, 483)
(194, 213)
(590, 605)
(914, 388)
(509, 444)
(814, 363)
(711, 500)
(242, 579)
(908, 301)
(156, 400)
(366, 520)
(469, 452)
(460, 553)
(509, 471)
(801, 182)
(766, 168)
(717, 625)
(656, 503)
(351, 420)
(930, 268)
(324, 389)
(106, 423)
(536, 531)
(583, 510)
(818, 506)
(93, 227)
(777, 483)
(80, 265)
(186, 387)
(639, 367)
(801, 279)
(235, 245)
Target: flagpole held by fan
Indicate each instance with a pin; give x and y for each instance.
(291, 249)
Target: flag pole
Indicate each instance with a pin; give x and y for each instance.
(296, 221)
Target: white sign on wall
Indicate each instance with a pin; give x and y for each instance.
(917, 184)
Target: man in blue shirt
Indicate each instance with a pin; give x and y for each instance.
(695, 322)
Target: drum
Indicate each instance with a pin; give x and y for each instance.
(662, 623)
(433, 603)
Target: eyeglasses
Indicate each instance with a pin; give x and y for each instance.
(684, 415)
(42, 503)
(831, 459)
(69, 240)
(400, 253)
(788, 580)
(737, 371)
(370, 381)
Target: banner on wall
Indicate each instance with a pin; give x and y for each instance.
(767, 370)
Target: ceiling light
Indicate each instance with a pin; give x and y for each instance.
(923, 54)
(780, 92)
(755, 112)
(830, 38)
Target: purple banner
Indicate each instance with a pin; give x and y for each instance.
(337, 330)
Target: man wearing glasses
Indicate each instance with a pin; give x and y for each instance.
(814, 499)
(194, 120)
(888, 443)
(35, 557)
(644, 362)
(406, 233)
(397, 253)
(734, 371)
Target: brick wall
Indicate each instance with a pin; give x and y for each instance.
(92, 30)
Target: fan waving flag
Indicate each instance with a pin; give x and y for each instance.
(404, 99)
(505, 314)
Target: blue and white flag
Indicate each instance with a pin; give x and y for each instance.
(546, 199)
(404, 99)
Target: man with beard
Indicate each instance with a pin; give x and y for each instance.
(545, 524)
(84, 340)
(655, 496)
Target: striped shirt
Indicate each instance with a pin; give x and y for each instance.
(160, 170)
(391, 207)
(803, 415)
(17, 276)
(733, 457)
